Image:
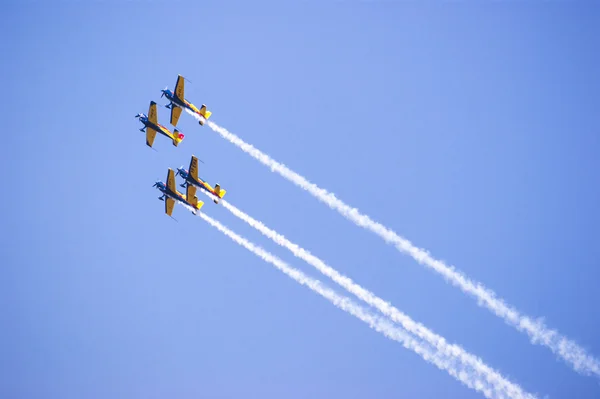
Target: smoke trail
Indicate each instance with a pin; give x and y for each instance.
(452, 350)
(468, 377)
(573, 354)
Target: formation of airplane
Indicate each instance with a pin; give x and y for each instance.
(170, 195)
(178, 102)
(192, 181)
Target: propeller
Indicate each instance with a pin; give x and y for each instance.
(163, 91)
(137, 116)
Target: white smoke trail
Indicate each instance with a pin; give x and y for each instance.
(471, 378)
(452, 350)
(571, 352)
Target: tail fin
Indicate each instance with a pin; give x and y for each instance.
(205, 113)
(195, 202)
(219, 191)
(178, 137)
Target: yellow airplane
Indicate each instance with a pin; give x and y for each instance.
(178, 101)
(192, 181)
(170, 195)
(152, 126)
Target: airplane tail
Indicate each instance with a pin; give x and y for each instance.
(194, 202)
(205, 113)
(178, 137)
(219, 191)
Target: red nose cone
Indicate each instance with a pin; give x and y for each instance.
(181, 136)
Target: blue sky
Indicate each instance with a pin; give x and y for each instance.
(470, 129)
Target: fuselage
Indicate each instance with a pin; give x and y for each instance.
(181, 102)
(156, 126)
(200, 183)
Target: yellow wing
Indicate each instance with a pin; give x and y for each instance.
(190, 195)
(169, 204)
(171, 181)
(150, 135)
(179, 87)
(152, 115)
(175, 114)
(194, 168)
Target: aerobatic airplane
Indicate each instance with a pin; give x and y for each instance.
(170, 195)
(192, 181)
(178, 101)
(152, 126)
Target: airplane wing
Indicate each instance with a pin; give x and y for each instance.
(190, 196)
(169, 204)
(150, 135)
(190, 193)
(171, 181)
(179, 87)
(175, 114)
(152, 116)
(194, 168)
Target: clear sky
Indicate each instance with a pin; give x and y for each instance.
(469, 128)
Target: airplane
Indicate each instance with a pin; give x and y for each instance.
(152, 126)
(192, 181)
(170, 195)
(178, 101)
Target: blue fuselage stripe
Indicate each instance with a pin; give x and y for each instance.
(180, 102)
(157, 128)
(176, 197)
